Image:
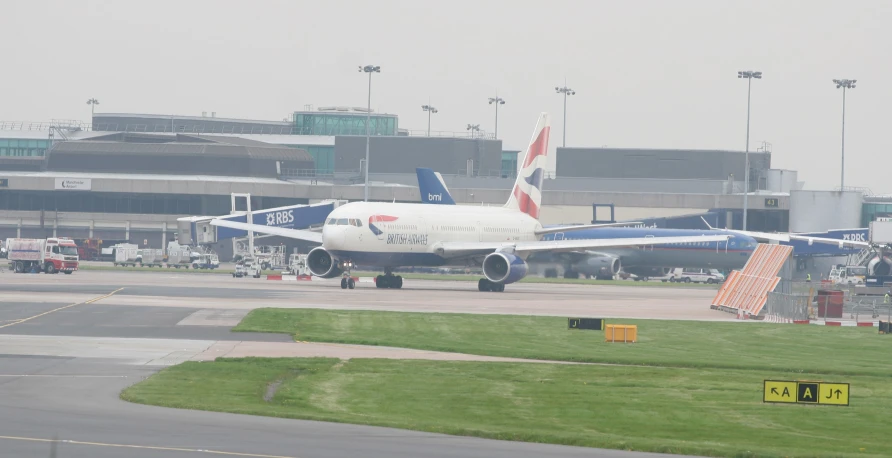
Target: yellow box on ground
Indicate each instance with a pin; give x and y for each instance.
(779, 391)
(621, 333)
(834, 394)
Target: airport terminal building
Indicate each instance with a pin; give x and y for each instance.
(130, 176)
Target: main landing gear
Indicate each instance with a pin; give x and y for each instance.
(486, 285)
(389, 280)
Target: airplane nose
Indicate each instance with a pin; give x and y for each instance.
(333, 237)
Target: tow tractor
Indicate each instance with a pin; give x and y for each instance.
(297, 265)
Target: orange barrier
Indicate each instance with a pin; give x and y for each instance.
(747, 290)
(621, 333)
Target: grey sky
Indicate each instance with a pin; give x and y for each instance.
(647, 73)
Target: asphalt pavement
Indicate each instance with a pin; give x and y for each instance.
(64, 363)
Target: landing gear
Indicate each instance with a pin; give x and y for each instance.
(347, 280)
(389, 280)
(486, 285)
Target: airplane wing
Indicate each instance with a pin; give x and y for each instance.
(457, 249)
(787, 237)
(552, 230)
(841, 243)
(300, 234)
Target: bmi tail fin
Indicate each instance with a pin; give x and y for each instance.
(526, 196)
(432, 187)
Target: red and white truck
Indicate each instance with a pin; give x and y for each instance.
(51, 255)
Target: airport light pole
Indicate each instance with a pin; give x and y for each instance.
(474, 128)
(497, 101)
(844, 84)
(566, 91)
(92, 103)
(749, 75)
(430, 110)
(368, 123)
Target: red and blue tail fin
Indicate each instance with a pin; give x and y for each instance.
(527, 193)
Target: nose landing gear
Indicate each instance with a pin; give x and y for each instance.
(347, 280)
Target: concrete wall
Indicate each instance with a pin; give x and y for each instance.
(818, 211)
(656, 163)
(404, 154)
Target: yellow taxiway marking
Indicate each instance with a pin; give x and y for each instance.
(60, 308)
(142, 447)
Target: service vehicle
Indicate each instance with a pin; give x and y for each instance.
(52, 255)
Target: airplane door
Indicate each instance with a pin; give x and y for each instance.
(648, 247)
(480, 232)
(559, 236)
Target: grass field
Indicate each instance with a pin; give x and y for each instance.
(734, 345)
(703, 411)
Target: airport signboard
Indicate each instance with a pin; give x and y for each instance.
(74, 184)
(803, 392)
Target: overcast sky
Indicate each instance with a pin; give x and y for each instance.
(659, 74)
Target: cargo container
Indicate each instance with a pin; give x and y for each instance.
(52, 255)
(126, 254)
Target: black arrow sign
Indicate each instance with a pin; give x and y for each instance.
(838, 392)
(774, 391)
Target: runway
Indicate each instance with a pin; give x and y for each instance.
(69, 344)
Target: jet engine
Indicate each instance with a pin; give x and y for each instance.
(600, 265)
(322, 264)
(879, 266)
(504, 268)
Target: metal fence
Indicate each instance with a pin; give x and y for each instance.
(786, 308)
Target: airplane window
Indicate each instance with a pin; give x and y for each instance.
(359, 223)
(331, 221)
(342, 222)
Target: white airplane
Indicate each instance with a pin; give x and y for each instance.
(499, 239)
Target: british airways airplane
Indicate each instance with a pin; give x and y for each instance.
(645, 261)
(498, 239)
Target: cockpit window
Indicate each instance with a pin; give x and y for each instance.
(331, 221)
(342, 221)
(355, 222)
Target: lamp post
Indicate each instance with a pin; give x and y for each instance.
(749, 75)
(474, 128)
(92, 103)
(497, 101)
(844, 84)
(566, 91)
(368, 121)
(430, 110)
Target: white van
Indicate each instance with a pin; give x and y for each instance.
(708, 276)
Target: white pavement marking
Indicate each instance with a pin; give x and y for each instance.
(141, 447)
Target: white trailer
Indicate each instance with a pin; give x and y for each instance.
(151, 257)
(126, 254)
